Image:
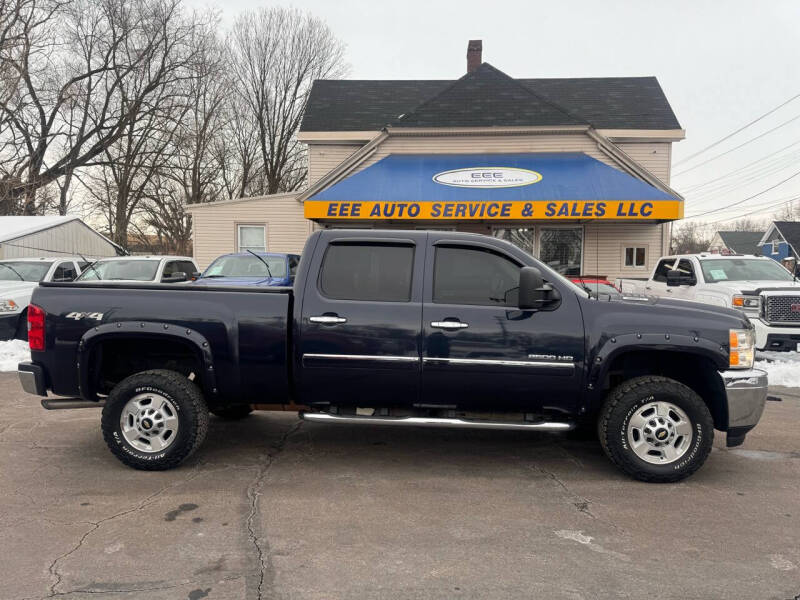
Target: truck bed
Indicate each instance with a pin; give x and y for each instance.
(246, 329)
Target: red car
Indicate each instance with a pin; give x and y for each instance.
(597, 286)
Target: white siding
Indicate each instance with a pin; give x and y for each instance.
(604, 246)
(71, 238)
(214, 225)
(653, 156)
(322, 158)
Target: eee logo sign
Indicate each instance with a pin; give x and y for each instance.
(488, 177)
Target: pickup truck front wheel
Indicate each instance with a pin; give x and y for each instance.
(153, 420)
(656, 429)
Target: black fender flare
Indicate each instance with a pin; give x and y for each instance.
(613, 347)
(143, 330)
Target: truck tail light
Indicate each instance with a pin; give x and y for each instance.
(36, 318)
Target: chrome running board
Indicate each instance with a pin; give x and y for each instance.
(433, 422)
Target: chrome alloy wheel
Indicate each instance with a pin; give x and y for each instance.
(659, 433)
(149, 422)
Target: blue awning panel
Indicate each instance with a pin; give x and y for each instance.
(563, 176)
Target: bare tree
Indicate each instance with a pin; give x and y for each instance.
(275, 55)
(83, 78)
(690, 237)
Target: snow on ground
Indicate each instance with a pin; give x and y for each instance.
(12, 352)
(783, 367)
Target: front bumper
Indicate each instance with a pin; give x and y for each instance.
(773, 337)
(746, 393)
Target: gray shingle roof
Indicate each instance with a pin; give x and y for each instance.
(742, 242)
(488, 96)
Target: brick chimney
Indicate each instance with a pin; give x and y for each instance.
(474, 55)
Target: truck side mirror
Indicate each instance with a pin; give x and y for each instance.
(676, 278)
(534, 293)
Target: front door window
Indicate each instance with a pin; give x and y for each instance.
(561, 249)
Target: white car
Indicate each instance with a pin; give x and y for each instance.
(767, 293)
(18, 278)
(153, 269)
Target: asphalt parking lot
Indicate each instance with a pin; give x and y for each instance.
(271, 508)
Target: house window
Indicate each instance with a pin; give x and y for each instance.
(562, 249)
(635, 256)
(252, 237)
(776, 246)
(520, 236)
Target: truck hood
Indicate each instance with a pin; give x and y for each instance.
(11, 288)
(736, 287)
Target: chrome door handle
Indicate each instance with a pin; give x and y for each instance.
(327, 319)
(449, 324)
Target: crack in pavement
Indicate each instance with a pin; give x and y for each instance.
(580, 503)
(53, 569)
(253, 492)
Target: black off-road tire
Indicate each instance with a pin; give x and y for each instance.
(620, 405)
(232, 413)
(191, 410)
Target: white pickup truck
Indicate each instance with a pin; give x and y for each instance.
(18, 278)
(767, 293)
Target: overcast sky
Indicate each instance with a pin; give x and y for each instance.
(721, 64)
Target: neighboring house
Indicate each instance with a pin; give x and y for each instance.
(781, 240)
(736, 242)
(22, 237)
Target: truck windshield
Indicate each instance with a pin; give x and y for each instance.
(23, 270)
(118, 270)
(743, 269)
(247, 266)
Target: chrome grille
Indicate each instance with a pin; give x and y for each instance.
(782, 309)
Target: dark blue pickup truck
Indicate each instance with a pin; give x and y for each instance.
(400, 328)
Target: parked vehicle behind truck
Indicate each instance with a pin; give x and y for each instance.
(251, 268)
(400, 328)
(153, 269)
(18, 278)
(760, 287)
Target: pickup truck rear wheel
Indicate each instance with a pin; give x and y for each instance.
(153, 420)
(656, 429)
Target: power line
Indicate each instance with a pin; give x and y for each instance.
(745, 179)
(737, 147)
(739, 170)
(747, 214)
(742, 128)
(762, 192)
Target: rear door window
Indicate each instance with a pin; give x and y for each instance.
(664, 265)
(65, 271)
(362, 271)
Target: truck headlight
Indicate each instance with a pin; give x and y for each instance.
(746, 302)
(8, 306)
(743, 351)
